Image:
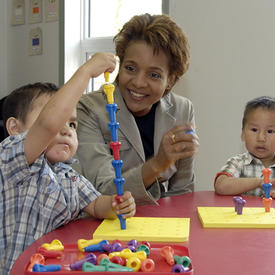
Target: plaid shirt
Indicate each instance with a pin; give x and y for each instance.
(36, 199)
(246, 166)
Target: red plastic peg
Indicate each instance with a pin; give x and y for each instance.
(266, 172)
(167, 252)
(115, 145)
(49, 253)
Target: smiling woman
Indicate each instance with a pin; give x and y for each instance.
(154, 54)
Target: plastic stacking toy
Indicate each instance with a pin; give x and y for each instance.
(239, 204)
(49, 253)
(54, 245)
(96, 247)
(46, 268)
(113, 125)
(184, 260)
(267, 185)
(105, 265)
(167, 252)
(134, 263)
(178, 268)
(36, 259)
(82, 243)
(147, 265)
(91, 258)
(267, 200)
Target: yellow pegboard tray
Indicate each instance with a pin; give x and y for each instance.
(145, 229)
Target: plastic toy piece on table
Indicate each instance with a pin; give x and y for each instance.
(147, 265)
(178, 268)
(82, 243)
(127, 253)
(96, 247)
(115, 145)
(144, 248)
(184, 260)
(49, 253)
(118, 260)
(235, 201)
(239, 204)
(133, 242)
(101, 256)
(267, 203)
(36, 258)
(91, 258)
(134, 263)
(46, 268)
(167, 252)
(266, 185)
(109, 266)
(54, 245)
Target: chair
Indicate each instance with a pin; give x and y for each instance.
(2, 131)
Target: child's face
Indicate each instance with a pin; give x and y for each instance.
(64, 145)
(259, 135)
(143, 77)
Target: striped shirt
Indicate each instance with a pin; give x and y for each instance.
(246, 166)
(36, 199)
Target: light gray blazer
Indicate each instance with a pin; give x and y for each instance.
(95, 155)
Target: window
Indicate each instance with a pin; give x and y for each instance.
(102, 19)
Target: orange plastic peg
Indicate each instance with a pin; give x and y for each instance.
(36, 259)
(267, 203)
(167, 252)
(266, 172)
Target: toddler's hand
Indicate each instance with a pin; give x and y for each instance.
(99, 63)
(127, 205)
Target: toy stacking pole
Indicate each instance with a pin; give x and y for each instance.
(267, 200)
(114, 144)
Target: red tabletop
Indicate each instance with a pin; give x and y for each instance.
(212, 251)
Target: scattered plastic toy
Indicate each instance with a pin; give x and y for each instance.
(91, 258)
(167, 252)
(54, 245)
(46, 268)
(36, 258)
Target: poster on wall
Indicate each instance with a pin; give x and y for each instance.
(35, 11)
(18, 12)
(51, 10)
(35, 41)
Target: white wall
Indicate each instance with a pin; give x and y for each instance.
(22, 68)
(232, 61)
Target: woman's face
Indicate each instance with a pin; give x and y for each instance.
(143, 77)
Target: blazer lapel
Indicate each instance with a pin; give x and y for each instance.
(164, 120)
(127, 125)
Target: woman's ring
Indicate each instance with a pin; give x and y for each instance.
(172, 137)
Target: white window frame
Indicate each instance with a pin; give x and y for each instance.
(77, 46)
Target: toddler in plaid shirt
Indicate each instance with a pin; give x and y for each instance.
(39, 190)
(242, 174)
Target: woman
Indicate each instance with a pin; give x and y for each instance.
(157, 152)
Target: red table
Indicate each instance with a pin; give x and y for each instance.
(212, 251)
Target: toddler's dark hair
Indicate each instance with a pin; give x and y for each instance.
(19, 102)
(265, 102)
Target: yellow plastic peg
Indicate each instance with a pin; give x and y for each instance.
(54, 245)
(109, 89)
(82, 243)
